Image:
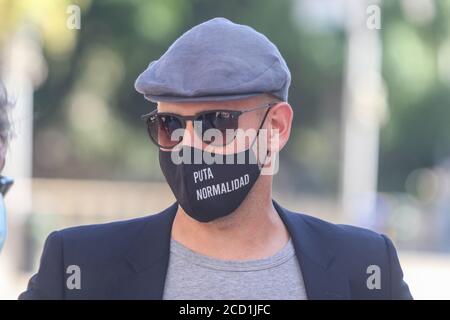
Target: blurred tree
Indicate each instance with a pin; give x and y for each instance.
(48, 16)
(87, 112)
(89, 108)
(418, 132)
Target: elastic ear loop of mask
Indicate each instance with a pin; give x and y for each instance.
(256, 138)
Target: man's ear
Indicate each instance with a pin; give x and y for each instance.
(280, 123)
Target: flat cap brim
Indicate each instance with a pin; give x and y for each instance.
(201, 98)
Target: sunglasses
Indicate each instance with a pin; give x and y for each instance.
(162, 126)
(5, 184)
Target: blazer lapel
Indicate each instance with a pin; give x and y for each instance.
(145, 265)
(322, 276)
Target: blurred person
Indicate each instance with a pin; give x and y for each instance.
(5, 182)
(224, 237)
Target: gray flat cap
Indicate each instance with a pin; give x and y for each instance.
(217, 60)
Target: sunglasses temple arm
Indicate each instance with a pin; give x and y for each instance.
(269, 105)
(147, 115)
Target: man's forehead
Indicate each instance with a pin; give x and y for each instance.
(185, 108)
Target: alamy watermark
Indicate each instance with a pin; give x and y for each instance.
(374, 280)
(373, 21)
(263, 144)
(73, 281)
(73, 21)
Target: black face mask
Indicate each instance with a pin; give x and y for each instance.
(210, 191)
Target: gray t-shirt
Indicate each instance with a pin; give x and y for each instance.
(193, 276)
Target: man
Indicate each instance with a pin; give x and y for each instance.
(224, 238)
(5, 182)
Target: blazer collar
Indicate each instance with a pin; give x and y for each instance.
(323, 277)
(143, 274)
(149, 258)
(153, 243)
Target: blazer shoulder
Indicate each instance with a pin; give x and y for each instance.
(344, 235)
(97, 250)
(361, 253)
(357, 250)
(120, 227)
(354, 247)
(106, 241)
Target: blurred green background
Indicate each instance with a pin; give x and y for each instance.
(86, 113)
(89, 109)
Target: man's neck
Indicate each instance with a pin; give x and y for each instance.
(253, 231)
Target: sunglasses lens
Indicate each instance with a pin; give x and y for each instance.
(218, 127)
(163, 130)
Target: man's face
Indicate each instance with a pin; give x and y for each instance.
(248, 123)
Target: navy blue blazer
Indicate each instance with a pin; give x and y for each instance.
(129, 260)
